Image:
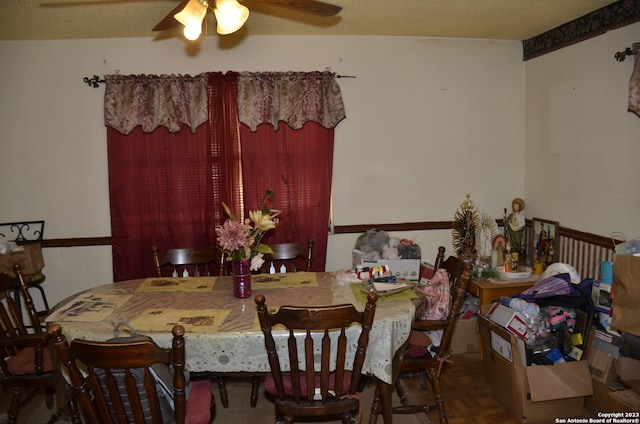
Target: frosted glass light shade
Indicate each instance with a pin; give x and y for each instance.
(230, 15)
(193, 13)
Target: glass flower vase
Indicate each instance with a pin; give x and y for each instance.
(241, 272)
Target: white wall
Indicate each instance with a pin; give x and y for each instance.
(582, 146)
(428, 121)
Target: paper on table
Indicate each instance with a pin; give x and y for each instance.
(193, 320)
(381, 287)
(89, 307)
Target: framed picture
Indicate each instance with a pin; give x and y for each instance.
(544, 241)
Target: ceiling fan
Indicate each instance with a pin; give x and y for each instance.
(230, 15)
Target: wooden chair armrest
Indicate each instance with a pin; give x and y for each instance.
(26, 340)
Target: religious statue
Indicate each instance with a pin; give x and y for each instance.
(465, 230)
(514, 225)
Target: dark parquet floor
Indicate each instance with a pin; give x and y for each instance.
(468, 400)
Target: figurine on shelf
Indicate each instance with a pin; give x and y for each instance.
(511, 262)
(514, 225)
(487, 230)
(465, 230)
(499, 244)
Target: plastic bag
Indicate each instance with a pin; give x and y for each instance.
(626, 247)
(372, 241)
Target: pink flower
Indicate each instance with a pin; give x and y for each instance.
(242, 240)
(232, 235)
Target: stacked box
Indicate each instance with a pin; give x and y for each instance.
(29, 256)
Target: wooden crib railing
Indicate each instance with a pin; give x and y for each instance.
(584, 251)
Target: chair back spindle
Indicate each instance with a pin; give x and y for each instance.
(325, 380)
(286, 255)
(121, 383)
(186, 262)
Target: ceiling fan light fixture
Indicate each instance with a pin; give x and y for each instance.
(230, 15)
(192, 17)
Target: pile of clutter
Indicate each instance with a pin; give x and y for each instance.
(553, 317)
(376, 248)
(374, 245)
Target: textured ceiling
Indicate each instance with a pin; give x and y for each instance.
(487, 19)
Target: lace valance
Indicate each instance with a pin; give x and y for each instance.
(172, 101)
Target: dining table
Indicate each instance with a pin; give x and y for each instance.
(222, 332)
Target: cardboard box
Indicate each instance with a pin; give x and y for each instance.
(466, 337)
(509, 318)
(401, 268)
(30, 259)
(624, 401)
(607, 342)
(599, 400)
(602, 367)
(628, 370)
(534, 393)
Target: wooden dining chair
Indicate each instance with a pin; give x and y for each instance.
(289, 254)
(185, 262)
(319, 383)
(430, 366)
(123, 381)
(194, 262)
(25, 356)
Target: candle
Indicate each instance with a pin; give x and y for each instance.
(538, 268)
(494, 259)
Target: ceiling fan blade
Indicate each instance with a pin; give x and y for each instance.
(169, 22)
(308, 6)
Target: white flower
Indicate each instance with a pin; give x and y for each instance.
(257, 262)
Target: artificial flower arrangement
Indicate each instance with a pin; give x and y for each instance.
(242, 240)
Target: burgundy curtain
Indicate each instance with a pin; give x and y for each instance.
(166, 188)
(161, 193)
(167, 182)
(297, 166)
(224, 133)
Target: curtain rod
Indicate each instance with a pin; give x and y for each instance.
(621, 55)
(95, 81)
